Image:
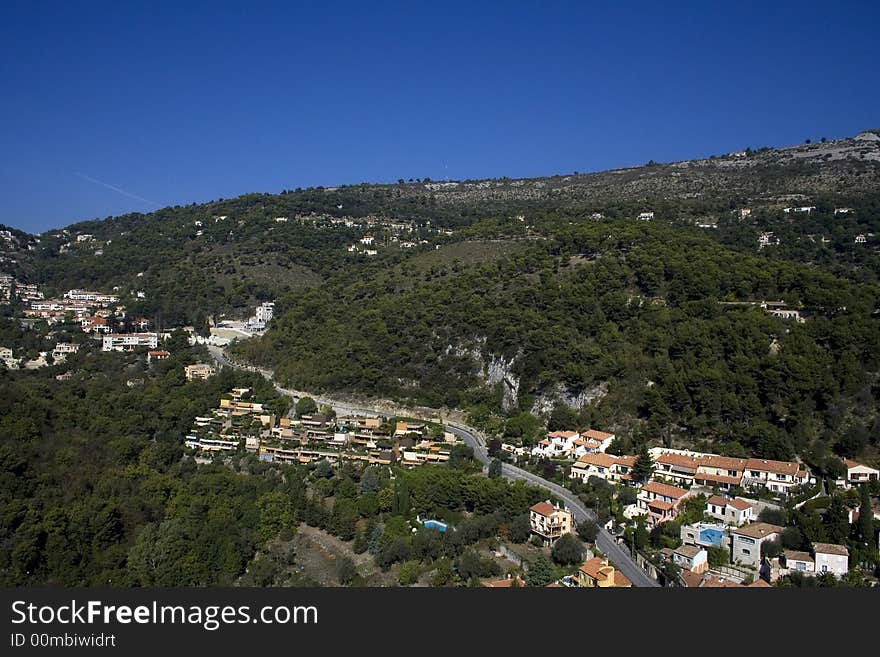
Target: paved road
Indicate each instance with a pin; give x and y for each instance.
(618, 555)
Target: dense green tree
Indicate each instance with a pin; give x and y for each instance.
(306, 406)
(541, 572)
(567, 550)
(588, 530)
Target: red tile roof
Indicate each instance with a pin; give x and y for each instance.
(599, 459)
(776, 467)
(597, 435)
(722, 462)
(664, 489)
(543, 508)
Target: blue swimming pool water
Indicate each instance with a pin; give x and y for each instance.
(711, 536)
(436, 524)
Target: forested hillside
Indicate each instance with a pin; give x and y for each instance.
(542, 301)
(622, 324)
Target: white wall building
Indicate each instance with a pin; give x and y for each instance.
(129, 341)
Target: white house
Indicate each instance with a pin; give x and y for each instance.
(691, 557)
(776, 476)
(594, 465)
(603, 438)
(733, 511)
(558, 444)
(831, 558)
(801, 561)
(129, 341)
(645, 216)
(856, 473)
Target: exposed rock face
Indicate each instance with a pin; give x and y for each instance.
(499, 370)
(494, 369)
(575, 400)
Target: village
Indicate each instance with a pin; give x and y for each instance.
(719, 507)
(240, 423)
(722, 500)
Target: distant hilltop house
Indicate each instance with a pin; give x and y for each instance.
(806, 209)
(745, 212)
(645, 216)
(767, 239)
(860, 239)
(158, 354)
(843, 210)
(786, 313)
(86, 295)
(198, 371)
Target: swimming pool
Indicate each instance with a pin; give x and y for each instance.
(436, 524)
(711, 536)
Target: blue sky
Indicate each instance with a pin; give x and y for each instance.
(111, 107)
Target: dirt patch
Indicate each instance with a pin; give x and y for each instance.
(318, 552)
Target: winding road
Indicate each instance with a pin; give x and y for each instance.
(606, 543)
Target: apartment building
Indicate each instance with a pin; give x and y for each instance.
(129, 341)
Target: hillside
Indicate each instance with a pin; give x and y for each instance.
(625, 327)
(545, 299)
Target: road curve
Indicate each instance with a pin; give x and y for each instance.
(618, 555)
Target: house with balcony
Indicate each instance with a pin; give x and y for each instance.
(722, 472)
(775, 476)
(659, 502)
(550, 522)
(595, 464)
(129, 341)
(558, 444)
(200, 371)
(602, 438)
(856, 474)
(678, 468)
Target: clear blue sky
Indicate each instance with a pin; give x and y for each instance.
(111, 107)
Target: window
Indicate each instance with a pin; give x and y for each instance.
(745, 551)
(824, 568)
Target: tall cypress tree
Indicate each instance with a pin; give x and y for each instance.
(866, 516)
(643, 468)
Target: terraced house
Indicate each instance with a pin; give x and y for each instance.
(659, 502)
